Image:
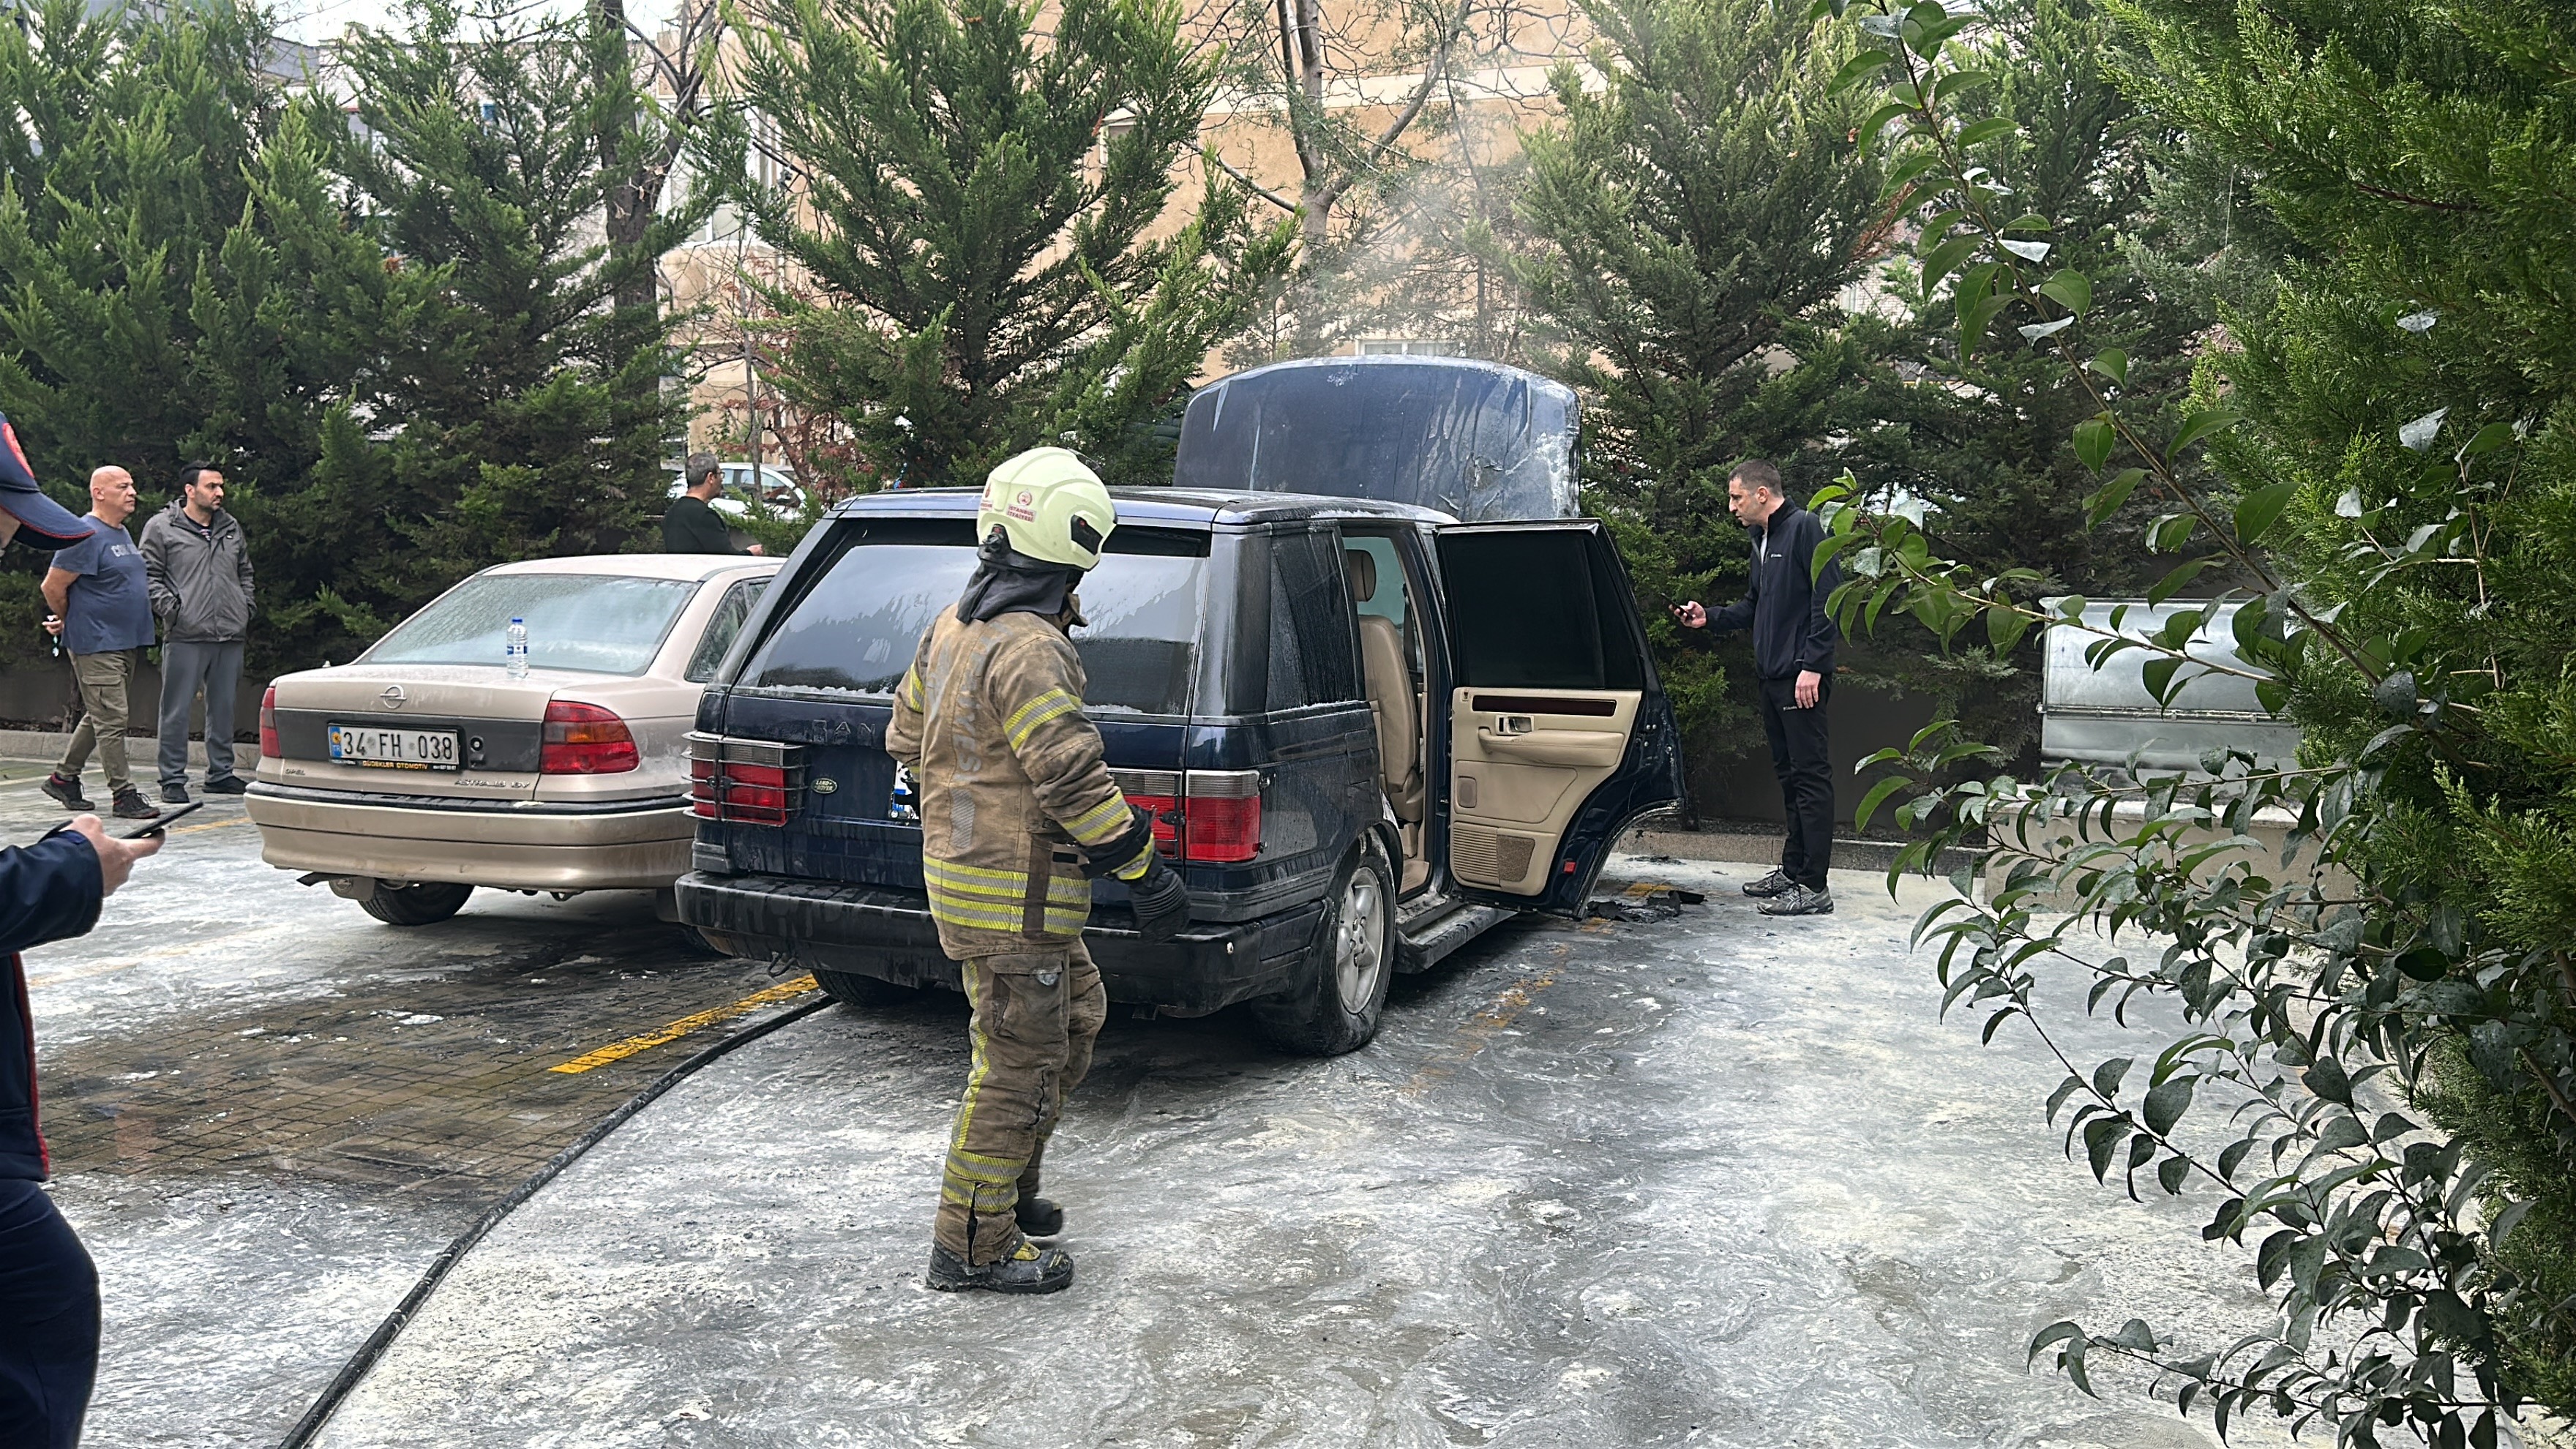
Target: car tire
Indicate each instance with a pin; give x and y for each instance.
(1337, 1007)
(864, 993)
(415, 905)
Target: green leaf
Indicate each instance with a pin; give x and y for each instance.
(2106, 500)
(1857, 69)
(2172, 532)
(1878, 120)
(2489, 438)
(2062, 1331)
(2175, 581)
(2260, 509)
(1974, 324)
(2171, 1173)
(2004, 627)
(1904, 175)
(2113, 364)
(1877, 796)
(2102, 1137)
(2107, 1076)
(2069, 289)
(2093, 440)
(1986, 130)
(2200, 425)
(1945, 258)
(2166, 1104)
(2159, 675)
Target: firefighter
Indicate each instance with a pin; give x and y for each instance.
(1018, 817)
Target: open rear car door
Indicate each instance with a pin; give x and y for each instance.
(1560, 734)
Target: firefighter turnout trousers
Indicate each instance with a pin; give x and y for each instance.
(1036, 1015)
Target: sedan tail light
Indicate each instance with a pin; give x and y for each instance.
(747, 782)
(584, 739)
(268, 725)
(1209, 817)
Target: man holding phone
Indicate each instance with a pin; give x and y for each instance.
(49, 891)
(1793, 665)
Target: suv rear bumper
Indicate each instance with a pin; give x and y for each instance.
(888, 934)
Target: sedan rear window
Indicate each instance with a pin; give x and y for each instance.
(595, 623)
(856, 628)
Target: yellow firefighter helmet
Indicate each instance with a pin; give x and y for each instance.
(1051, 505)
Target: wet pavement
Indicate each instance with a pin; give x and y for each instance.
(1711, 1180)
(269, 1111)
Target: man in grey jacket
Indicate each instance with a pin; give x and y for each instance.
(199, 571)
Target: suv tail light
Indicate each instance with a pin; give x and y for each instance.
(747, 782)
(1210, 817)
(268, 725)
(584, 739)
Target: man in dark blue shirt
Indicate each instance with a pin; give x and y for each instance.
(1793, 665)
(102, 611)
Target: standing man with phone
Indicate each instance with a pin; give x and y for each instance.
(102, 611)
(199, 568)
(1793, 665)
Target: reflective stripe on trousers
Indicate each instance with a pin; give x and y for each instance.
(1036, 1015)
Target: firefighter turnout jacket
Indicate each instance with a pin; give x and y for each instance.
(1014, 795)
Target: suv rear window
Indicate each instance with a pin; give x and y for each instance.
(856, 627)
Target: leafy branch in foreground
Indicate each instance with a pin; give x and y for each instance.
(2375, 1068)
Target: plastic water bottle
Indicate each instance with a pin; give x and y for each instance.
(902, 803)
(515, 652)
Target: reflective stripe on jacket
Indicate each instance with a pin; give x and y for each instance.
(1011, 780)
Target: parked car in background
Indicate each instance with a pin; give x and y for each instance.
(1369, 729)
(426, 768)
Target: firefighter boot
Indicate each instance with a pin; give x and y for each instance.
(1027, 1268)
(1040, 1218)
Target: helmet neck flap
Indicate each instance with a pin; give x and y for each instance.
(1007, 581)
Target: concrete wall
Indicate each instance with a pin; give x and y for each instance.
(43, 697)
(1858, 723)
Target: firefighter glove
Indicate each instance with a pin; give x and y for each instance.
(1162, 902)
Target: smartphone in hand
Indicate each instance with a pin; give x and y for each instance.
(137, 829)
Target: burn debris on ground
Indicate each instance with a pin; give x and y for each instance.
(1657, 905)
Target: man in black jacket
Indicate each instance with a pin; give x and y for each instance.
(691, 524)
(1793, 665)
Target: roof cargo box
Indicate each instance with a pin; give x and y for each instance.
(1476, 440)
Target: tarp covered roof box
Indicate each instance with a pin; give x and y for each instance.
(1477, 440)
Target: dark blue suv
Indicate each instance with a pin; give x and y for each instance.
(1370, 732)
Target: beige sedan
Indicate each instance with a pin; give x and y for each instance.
(427, 767)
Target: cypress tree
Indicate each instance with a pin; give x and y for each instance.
(529, 418)
(182, 279)
(980, 210)
(1695, 220)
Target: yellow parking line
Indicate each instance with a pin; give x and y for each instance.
(209, 825)
(620, 1051)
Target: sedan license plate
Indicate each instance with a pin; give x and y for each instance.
(387, 749)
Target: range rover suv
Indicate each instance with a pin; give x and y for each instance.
(1369, 731)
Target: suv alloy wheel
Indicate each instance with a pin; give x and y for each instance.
(1335, 1009)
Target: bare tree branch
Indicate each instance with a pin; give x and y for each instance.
(1255, 187)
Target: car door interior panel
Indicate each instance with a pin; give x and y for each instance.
(1518, 775)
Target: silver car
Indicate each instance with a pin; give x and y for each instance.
(427, 768)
